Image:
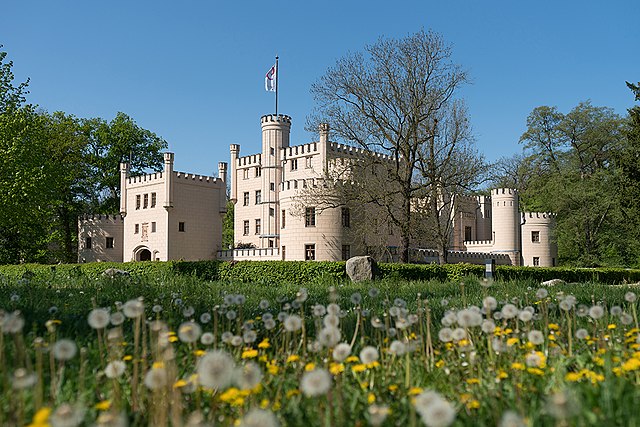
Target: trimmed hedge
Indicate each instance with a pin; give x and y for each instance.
(300, 272)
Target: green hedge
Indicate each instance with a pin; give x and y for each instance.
(569, 274)
(300, 272)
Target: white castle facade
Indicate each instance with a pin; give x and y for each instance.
(171, 215)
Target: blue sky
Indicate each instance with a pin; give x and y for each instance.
(193, 71)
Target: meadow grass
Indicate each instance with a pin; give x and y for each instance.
(437, 353)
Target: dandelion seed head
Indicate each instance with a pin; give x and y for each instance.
(13, 323)
(329, 336)
(293, 323)
(445, 335)
(488, 326)
(205, 318)
(535, 337)
(115, 369)
(511, 419)
(525, 316)
(156, 378)
(248, 376)
(509, 311)
(616, 310)
(596, 312)
(331, 321)
(231, 315)
(341, 352)
(630, 297)
(269, 324)
(369, 354)
(22, 379)
(236, 341)
(397, 348)
(333, 308)
(356, 298)
(459, 334)
(626, 319)
(264, 304)
(257, 417)
(117, 318)
(439, 414)
(189, 332)
(374, 292)
(215, 369)
(64, 349)
(489, 303)
(582, 334)
(315, 383)
(67, 415)
(133, 308)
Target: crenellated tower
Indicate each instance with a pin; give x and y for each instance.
(506, 223)
(538, 245)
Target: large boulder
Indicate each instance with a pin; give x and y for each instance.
(361, 268)
(114, 272)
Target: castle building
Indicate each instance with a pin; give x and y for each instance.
(172, 215)
(163, 216)
(265, 187)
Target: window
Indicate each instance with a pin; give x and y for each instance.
(258, 171)
(272, 212)
(553, 262)
(467, 233)
(272, 151)
(284, 252)
(245, 173)
(346, 217)
(270, 243)
(308, 162)
(309, 252)
(246, 228)
(137, 201)
(153, 200)
(294, 164)
(87, 243)
(310, 217)
(144, 236)
(109, 243)
(272, 186)
(181, 227)
(258, 226)
(246, 198)
(145, 204)
(136, 229)
(258, 197)
(283, 220)
(346, 252)
(536, 261)
(535, 236)
(153, 227)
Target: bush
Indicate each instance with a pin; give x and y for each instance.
(569, 274)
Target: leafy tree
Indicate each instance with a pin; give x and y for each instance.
(571, 171)
(398, 97)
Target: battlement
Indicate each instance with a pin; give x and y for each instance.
(101, 217)
(478, 243)
(197, 178)
(467, 199)
(145, 179)
(478, 255)
(504, 191)
(270, 118)
(234, 148)
(351, 150)
(299, 150)
(252, 159)
(539, 215)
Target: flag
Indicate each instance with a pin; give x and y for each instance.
(270, 79)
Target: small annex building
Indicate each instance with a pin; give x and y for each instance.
(163, 216)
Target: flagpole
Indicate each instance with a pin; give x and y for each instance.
(277, 85)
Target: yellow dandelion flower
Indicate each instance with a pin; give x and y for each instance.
(502, 375)
(309, 366)
(352, 359)
(611, 326)
(473, 404)
(249, 354)
(199, 353)
(635, 346)
(551, 337)
(371, 398)
(598, 361)
(230, 395)
(127, 357)
(103, 406)
(359, 368)
(512, 341)
(631, 365)
(157, 365)
(293, 358)
(238, 401)
(517, 366)
(440, 363)
(463, 343)
(276, 406)
(572, 377)
(272, 368)
(336, 368)
(173, 338)
(264, 403)
(264, 343)
(263, 358)
(471, 381)
(373, 365)
(180, 383)
(554, 326)
(601, 351)
(414, 391)
(535, 371)
(617, 371)
(507, 331)
(615, 359)
(393, 387)
(292, 393)
(41, 416)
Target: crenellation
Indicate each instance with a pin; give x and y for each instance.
(145, 178)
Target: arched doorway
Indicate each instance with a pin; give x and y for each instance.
(144, 255)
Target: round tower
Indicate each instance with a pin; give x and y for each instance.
(538, 247)
(506, 223)
(275, 137)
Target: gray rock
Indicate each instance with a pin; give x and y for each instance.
(361, 268)
(114, 272)
(553, 282)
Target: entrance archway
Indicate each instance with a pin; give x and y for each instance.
(142, 253)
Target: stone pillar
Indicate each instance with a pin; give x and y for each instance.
(168, 180)
(124, 175)
(235, 152)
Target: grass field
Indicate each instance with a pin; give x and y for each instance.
(176, 350)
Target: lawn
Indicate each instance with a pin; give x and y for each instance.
(171, 349)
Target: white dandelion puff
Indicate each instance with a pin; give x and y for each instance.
(315, 383)
(215, 369)
(369, 354)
